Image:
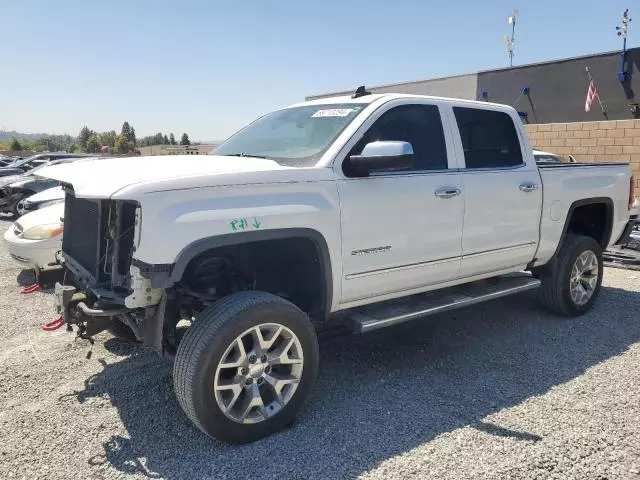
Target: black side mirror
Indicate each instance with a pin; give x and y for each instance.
(384, 156)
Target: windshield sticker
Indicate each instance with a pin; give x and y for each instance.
(332, 112)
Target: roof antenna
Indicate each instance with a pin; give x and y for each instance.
(360, 92)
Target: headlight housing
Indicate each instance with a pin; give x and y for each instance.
(42, 232)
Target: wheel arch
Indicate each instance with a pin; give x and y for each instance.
(605, 237)
(194, 249)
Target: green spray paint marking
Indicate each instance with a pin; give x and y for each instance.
(242, 224)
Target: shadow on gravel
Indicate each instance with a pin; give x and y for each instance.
(378, 395)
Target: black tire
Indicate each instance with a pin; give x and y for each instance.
(203, 345)
(122, 331)
(555, 289)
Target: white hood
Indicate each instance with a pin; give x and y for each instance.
(45, 216)
(55, 193)
(101, 178)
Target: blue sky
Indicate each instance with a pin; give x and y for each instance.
(208, 67)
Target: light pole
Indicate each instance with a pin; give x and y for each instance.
(622, 32)
(511, 40)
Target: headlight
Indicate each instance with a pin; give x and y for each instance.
(42, 232)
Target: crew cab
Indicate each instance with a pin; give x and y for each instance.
(375, 209)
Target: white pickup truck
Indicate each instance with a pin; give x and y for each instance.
(384, 208)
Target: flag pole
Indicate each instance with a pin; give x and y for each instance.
(604, 112)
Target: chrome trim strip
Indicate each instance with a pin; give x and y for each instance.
(400, 268)
(498, 250)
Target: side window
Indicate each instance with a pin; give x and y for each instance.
(420, 125)
(489, 138)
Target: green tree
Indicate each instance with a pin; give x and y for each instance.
(108, 138)
(93, 143)
(15, 144)
(126, 130)
(74, 148)
(83, 137)
(172, 139)
(185, 140)
(132, 136)
(123, 145)
(165, 140)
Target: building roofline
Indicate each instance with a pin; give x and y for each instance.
(491, 70)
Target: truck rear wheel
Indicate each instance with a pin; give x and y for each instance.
(245, 366)
(572, 282)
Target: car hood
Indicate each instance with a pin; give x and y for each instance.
(55, 193)
(10, 179)
(45, 216)
(101, 178)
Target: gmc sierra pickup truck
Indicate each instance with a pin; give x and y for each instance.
(376, 208)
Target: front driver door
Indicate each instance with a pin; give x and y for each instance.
(401, 231)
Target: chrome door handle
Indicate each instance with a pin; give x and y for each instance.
(528, 187)
(447, 192)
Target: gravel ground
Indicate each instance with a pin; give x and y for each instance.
(502, 390)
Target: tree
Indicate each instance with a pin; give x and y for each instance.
(123, 145)
(84, 137)
(74, 148)
(132, 136)
(93, 143)
(165, 140)
(172, 140)
(15, 144)
(108, 138)
(185, 140)
(126, 130)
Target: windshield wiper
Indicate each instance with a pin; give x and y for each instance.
(243, 155)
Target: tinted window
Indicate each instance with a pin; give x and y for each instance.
(489, 138)
(420, 125)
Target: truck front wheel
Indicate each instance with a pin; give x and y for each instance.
(245, 366)
(572, 282)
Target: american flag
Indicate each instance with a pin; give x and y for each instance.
(592, 94)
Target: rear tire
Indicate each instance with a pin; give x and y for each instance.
(566, 289)
(248, 347)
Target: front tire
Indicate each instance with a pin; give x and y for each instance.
(244, 368)
(571, 284)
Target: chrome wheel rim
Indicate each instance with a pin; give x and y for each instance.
(258, 373)
(584, 277)
(20, 207)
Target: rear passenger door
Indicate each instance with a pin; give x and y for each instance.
(503, 194)
(397, 234)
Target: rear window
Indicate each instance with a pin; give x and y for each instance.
(489, 138)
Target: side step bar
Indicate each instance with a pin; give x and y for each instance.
(391, 312)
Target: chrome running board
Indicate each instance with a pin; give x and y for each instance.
(391, 312)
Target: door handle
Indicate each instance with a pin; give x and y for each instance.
(447, 192)
(528, 187)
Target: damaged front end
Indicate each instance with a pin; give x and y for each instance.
(102, 285)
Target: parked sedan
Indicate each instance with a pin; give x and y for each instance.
(21, 166)
(40, 200)
(34, 240)
(15, 188)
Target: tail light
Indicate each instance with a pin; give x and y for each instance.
(632, 188)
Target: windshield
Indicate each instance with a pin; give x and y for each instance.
(19, 163)
(296, 136)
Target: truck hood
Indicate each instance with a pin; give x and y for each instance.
(101, 178)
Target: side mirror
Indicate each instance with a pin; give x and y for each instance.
(572, 159)
(383, 156)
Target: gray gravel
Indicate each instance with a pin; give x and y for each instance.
(502, 390)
